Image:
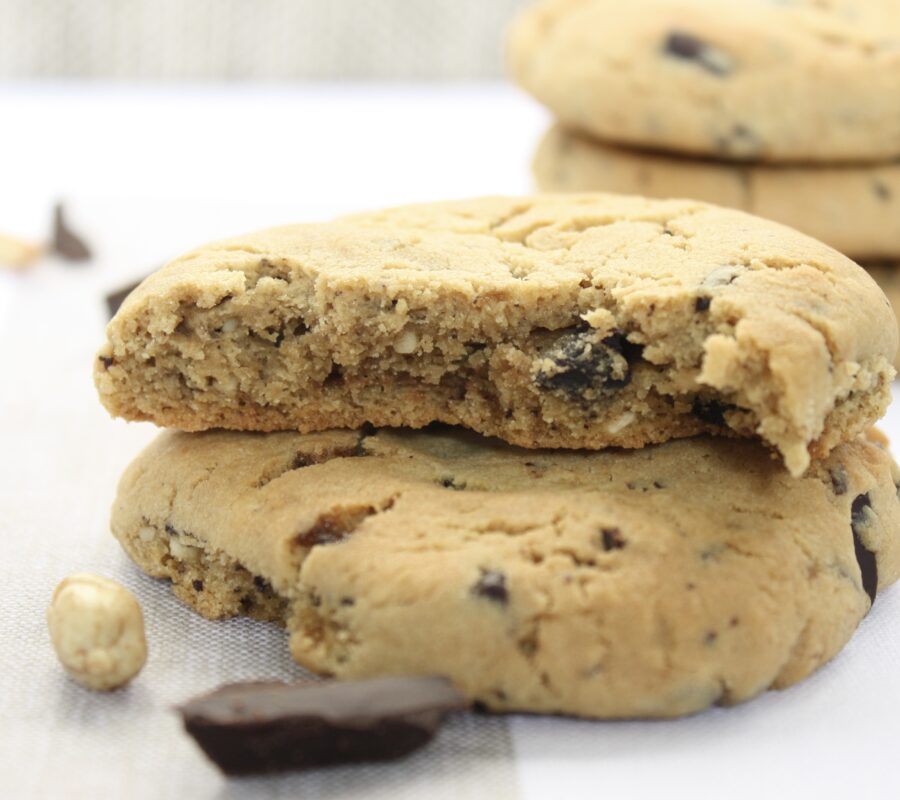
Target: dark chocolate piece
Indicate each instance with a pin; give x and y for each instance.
(839, 479)
(868, 564)
(739, 141)
(492, 585)
(689, 48)
(248, 728)
(66, 243)
(582, 362)
(612, 539)
(882, 190)
(702, 304)
(115, 298)
(712, 412)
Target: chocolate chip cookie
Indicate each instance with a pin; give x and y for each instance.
(766, 80)
(650, 582)
(550, 321)
(854, 208)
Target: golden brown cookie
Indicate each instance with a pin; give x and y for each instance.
(650, 582)
(550, 321)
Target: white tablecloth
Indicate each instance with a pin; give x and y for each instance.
(149, 172)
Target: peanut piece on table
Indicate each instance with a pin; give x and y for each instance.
(97, 630)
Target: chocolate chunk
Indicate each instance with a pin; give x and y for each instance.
(261, 583)
(115, 298)
(612, 539)
(333, 527)
(198, 585)
(839, 479)
(249, 728)
(702, 304)
(492, 585)
(581, 363)
(65, 242)
(739, 141)
(868, 565)
(689, 48)
(882, 190)
(107, 361)
(712, 412)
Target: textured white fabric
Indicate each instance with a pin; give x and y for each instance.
(148, 173)
(255, 39)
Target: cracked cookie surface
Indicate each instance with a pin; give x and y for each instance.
(762, 80)
(651, 582)
(853, 208)
(576, 321)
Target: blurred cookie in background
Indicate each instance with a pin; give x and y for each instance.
(854, 208)
(797, 81)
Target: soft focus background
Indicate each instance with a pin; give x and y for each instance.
(268, 40)
(162, 124)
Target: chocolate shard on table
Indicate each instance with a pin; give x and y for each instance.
(251, 728)
(66, 243)
(115, 298)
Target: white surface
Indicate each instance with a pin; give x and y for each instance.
(148, 173)
(254, 39)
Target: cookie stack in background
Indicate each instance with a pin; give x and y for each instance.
(787, 110)
(732, 547)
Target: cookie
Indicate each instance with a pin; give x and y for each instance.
(853, 208)
(650, 582)
(802, 80)
(549, 321)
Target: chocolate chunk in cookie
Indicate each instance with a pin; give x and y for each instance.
(492, 585)
(860, 518)
(582, 364)
(711, 411)
(686, 46)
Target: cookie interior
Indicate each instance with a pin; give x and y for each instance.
(580, 321)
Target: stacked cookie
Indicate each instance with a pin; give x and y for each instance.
(787, 110)
(590, 454)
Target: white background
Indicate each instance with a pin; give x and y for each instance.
(149, 172)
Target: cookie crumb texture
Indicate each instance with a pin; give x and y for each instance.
(802, 81)
(556, 321)
(653, 582)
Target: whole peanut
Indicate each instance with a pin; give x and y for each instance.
(97, 630)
